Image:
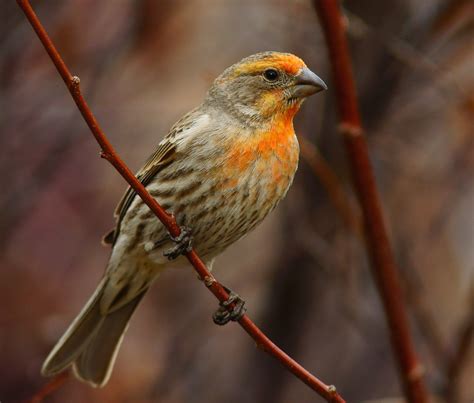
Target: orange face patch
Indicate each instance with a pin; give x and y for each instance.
(272, 104)
(288, 63)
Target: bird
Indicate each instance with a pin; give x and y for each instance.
(221, 169)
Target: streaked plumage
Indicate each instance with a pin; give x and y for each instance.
(221, 169)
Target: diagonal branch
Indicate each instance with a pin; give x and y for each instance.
(378, 245)
(54, 384)
(332, 185)
(108, 152)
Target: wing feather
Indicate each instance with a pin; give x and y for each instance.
(163, 156)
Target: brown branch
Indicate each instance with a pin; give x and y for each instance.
(54, 384)
(383, 263)
(108, 152)
(331, 183)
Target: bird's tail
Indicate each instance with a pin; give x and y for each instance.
(91, 342)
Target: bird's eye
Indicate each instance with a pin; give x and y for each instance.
(270, 75)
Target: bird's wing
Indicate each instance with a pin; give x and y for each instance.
(164, 155)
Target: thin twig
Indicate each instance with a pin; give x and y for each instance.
(332, 185)
(383, 263)
(108, 152)
(54, 384)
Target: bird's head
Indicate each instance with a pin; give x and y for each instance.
(264, 86)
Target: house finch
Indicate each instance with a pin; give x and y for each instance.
(221, 169)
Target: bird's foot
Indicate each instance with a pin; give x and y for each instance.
(223, 315)
(184, 244)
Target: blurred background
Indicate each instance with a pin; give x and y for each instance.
(304, 272)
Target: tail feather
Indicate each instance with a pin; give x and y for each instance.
(96, 361)
(92, 341)
(81, 330)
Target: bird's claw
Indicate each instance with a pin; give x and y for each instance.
(223, 315)
(184, 244)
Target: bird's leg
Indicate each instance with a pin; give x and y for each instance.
(223, 315)
(184, 244)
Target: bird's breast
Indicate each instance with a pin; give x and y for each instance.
(254, 174)
(261, 166)
(269, 155)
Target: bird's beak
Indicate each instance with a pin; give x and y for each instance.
(307, 83)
